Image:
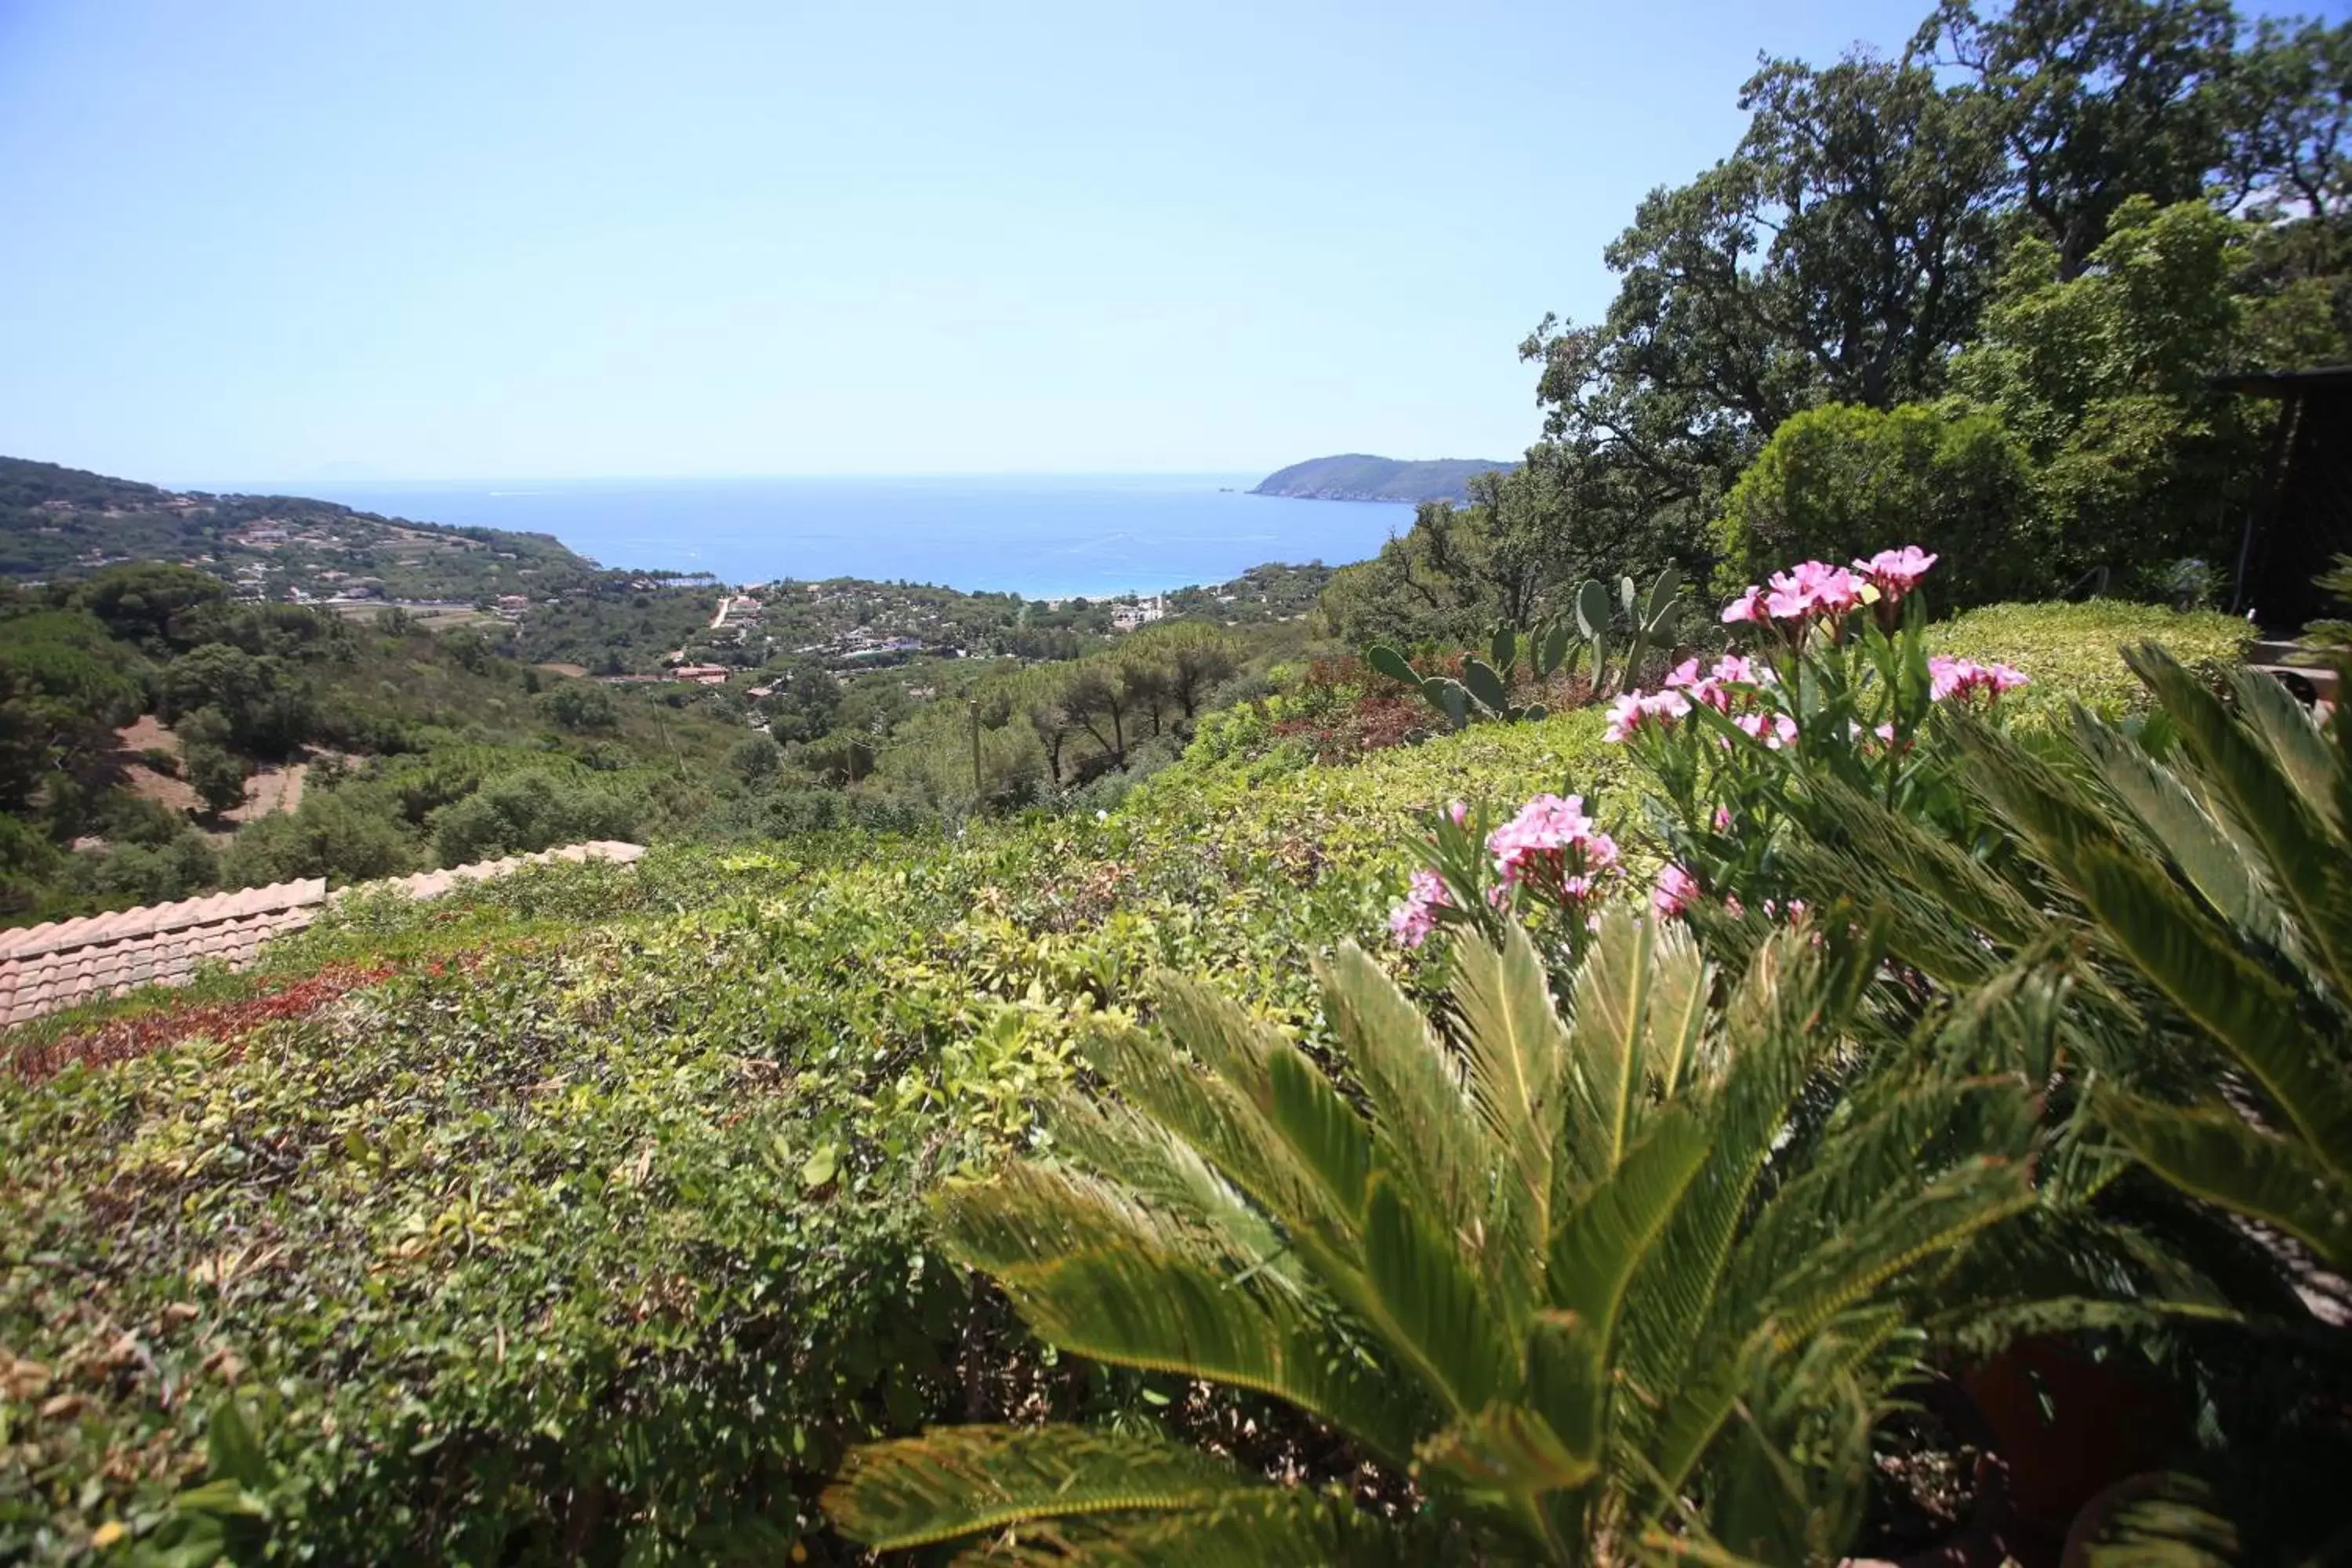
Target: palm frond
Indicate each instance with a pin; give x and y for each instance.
(1232, 1132)
(954, 1481)
(2255, 1016)
(1611, 1033)
(1296, 1110)
(2178, 824)
(2295, 740)
(1516, 1051)
(1428, 1304)
(2214, 1154)
(1840, 1274)
(1280, 1527)
(1108, 1136)
(1766, 1056)
(1096, 1273)
(2312, 867)
(1593, 1258)
(1430, 1139)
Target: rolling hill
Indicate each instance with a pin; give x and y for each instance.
(60, 523)
(1357, 476)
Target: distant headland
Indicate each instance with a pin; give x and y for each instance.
(1357, 476)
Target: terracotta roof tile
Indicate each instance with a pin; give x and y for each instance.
(59, 962)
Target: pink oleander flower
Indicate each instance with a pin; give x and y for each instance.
(1723, 819)
(1635, 708)
(1894, 573)
(1683, 673)
(1410, 924)
(1675, 891)
(1773, 729)
(1412, 920)
(1458, 812)
(1741, 669)
(1812, 587)
(1551, 841)
(1746, 608)
(1963, 678)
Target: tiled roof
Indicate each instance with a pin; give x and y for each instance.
(58, 964)
(432, 884)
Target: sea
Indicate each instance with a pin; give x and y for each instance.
(1044, 536)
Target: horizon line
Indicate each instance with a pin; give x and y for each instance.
(224, 486)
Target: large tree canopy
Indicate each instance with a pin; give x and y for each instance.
(1884, 221)
(2097, 101)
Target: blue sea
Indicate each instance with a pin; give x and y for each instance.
(1044, 536)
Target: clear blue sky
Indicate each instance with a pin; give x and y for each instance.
(455, 240)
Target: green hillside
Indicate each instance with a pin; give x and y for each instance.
(1355, 476)
(60, 523)
(148, 718)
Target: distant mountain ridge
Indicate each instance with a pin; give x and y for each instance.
(57, 522)
(1360, 475)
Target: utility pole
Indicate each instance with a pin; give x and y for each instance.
(972, 711)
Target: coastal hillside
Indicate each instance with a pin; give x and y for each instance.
(1357, 476)
(58, 522)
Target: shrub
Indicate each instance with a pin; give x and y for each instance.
(581, 706)
(348, 835)
(1839, 480)
(215, 774)
(755, 759)
(554, 1247)
(150, 874)
(1617, 1282)
(531, 810)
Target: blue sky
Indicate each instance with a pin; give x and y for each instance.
(254, 241)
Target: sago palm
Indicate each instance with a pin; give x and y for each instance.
(1633, 1281)
(2206, 885)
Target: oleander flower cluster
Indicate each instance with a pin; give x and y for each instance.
(1551, 851)
(1815, 590)
(1963, 678)
(1836, 682)
(1415, 916)
(1812, 593)
(1734, 684)
(1552, 847)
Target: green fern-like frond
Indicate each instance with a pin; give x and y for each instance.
(1550, 1268)
(2211, 1151)
(963, 1481)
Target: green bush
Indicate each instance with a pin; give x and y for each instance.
(565, 1246)
(528, 810)
(581, 706)
(216, 774)
(755, 759)
(150, 873)
(344, 835)
(1842, 481)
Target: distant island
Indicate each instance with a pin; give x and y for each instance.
(1356, 475)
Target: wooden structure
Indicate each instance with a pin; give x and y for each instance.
(2304, 518)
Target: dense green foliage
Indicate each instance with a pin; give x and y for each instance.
(1837, 481)
(624, 1111)
(393, 725)
(1601, 1278)
(2032, 238)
